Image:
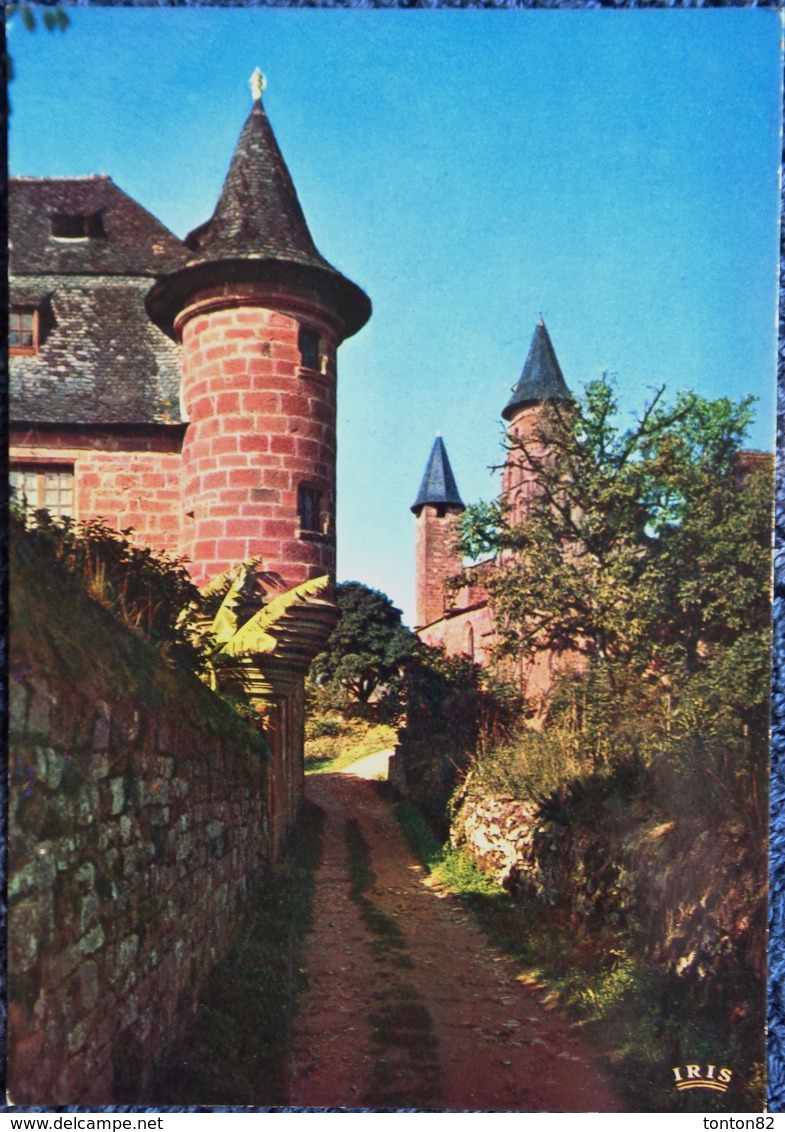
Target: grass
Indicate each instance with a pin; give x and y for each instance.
(626, 1008)
(236, 1051)
(351, 741)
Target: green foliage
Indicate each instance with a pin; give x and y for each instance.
(530, 765)
(145, 590)
(644, 560)
(639, 546)
(53, 17)
(88, 603)
(454, 709)
(369, 647)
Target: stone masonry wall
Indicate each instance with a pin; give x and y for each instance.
(134, 835)
(696, 901)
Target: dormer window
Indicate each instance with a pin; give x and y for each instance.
(309, 344)
(78, 226)
(309, 507)
(23, 330)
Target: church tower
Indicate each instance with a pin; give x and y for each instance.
(541, 382)
(437, 506)
(260, 314)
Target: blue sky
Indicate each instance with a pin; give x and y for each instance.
(616, 171)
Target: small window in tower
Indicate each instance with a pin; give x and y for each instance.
(23, 331)
(309, 507)
(78, 226)
(36, 487)
(470, 642)
(309, 348)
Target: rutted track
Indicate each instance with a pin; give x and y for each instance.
(408, 1005)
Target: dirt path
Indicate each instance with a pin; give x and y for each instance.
(408, 1005)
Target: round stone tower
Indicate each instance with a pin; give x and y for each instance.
(260, 314)
(437, 508)
(541, 382)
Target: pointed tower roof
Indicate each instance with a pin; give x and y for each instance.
(438, 484)
(258, 233)
(258, 212)
(542, 378)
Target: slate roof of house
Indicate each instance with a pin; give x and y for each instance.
(100, 359)
(134, 242)
(257, 233)
(542, 378)
(438, 483)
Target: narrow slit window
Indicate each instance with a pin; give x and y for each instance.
(309, 348)
(309, 507)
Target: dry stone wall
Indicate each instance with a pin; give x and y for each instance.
(135, 837)
(694, 900)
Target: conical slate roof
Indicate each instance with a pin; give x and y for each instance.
(438, 484)
(258, 213)
(542, 378)
(258, 233)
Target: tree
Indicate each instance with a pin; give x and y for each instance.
(368, 647)
(53, 17)
(643, 547)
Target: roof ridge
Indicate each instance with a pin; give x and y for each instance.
(80, 177)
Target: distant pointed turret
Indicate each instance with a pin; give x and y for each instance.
(437, 507)
(541, 384)
(438, 483)
(541, 379)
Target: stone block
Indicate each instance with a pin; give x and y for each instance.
(88, 805)
(36, 874)
(102, 727)
(25, 923)
(18, 699)
(94, 940)
(117, 792)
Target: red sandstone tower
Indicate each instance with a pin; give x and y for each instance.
(540, 382)
(437, 507)
(260, 314)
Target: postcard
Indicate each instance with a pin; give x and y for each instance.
(392, 414)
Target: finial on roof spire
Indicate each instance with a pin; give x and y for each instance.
(258, 83)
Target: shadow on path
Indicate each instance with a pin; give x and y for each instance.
(407, 1004)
